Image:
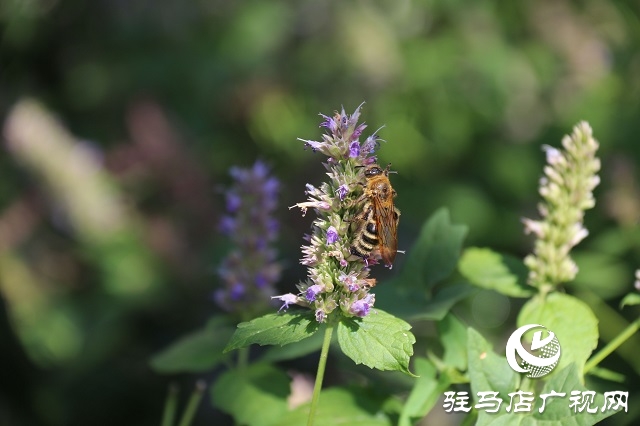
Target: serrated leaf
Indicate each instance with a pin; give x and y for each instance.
(435, 254)
(274, 329)
(342, 407)
(453, 335)
(379, 341)
(294, 350)
(630, 299)
(428, 388)
(256, 397)
(196, 352)
(573, 322)
(494, 271)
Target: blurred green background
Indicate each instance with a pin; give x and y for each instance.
(108, 240)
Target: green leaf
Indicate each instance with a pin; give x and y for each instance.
(378, 340)
(557, 411)
(413, 304)
(444, 300)
(434, 255)
(294, 350)
(274, 329)
(428, 388)
(573, 322)
(630, 299)
(487, 370)
(256, 397)
(490, 270)
(342, 407)
(604, 274)
(453, 335)
(196, 352)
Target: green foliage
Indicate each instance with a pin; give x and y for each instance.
(294, 350)
(255, 397)
(274, 329)
(435, 253)
(163, 100)
(453, 335)
(428, 388)
(195, 352)
(630, 299)
(573, 322)
(488, 371)
(490, 270)
(378, 340)
(431, 259)
(339, 406)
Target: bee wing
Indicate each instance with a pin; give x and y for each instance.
(387, 223)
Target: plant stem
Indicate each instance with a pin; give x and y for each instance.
(192, 405)
(170, 405)
(320, 374)
(243, 358)
(612, 345)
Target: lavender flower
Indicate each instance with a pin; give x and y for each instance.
(566, 188)
(250, 270)
(332, 235)
(336, 279)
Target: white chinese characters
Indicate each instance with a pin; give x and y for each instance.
(521, 401)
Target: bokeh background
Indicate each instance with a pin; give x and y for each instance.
(121, 119)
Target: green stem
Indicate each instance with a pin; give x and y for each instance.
(170, 405)
(612, 345)
(192, 405)
(243, 358)
(320, 374)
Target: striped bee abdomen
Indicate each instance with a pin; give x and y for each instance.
(366, 238)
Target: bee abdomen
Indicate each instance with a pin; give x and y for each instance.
(366, 241)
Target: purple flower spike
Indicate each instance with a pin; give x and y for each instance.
(332, 235)
(338, 280)
(312, 292)
(354, 149)
(249, 270)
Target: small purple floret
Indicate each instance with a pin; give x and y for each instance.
(287, 300)
(312, 292)
(362, 307)
(332, 235)
(321, 316)
(342, 191)
(354, 149)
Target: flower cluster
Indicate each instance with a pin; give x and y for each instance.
(566, 188)
(336, 278)
(636, 284)
(250, 270)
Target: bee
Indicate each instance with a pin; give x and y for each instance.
(377, 223)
